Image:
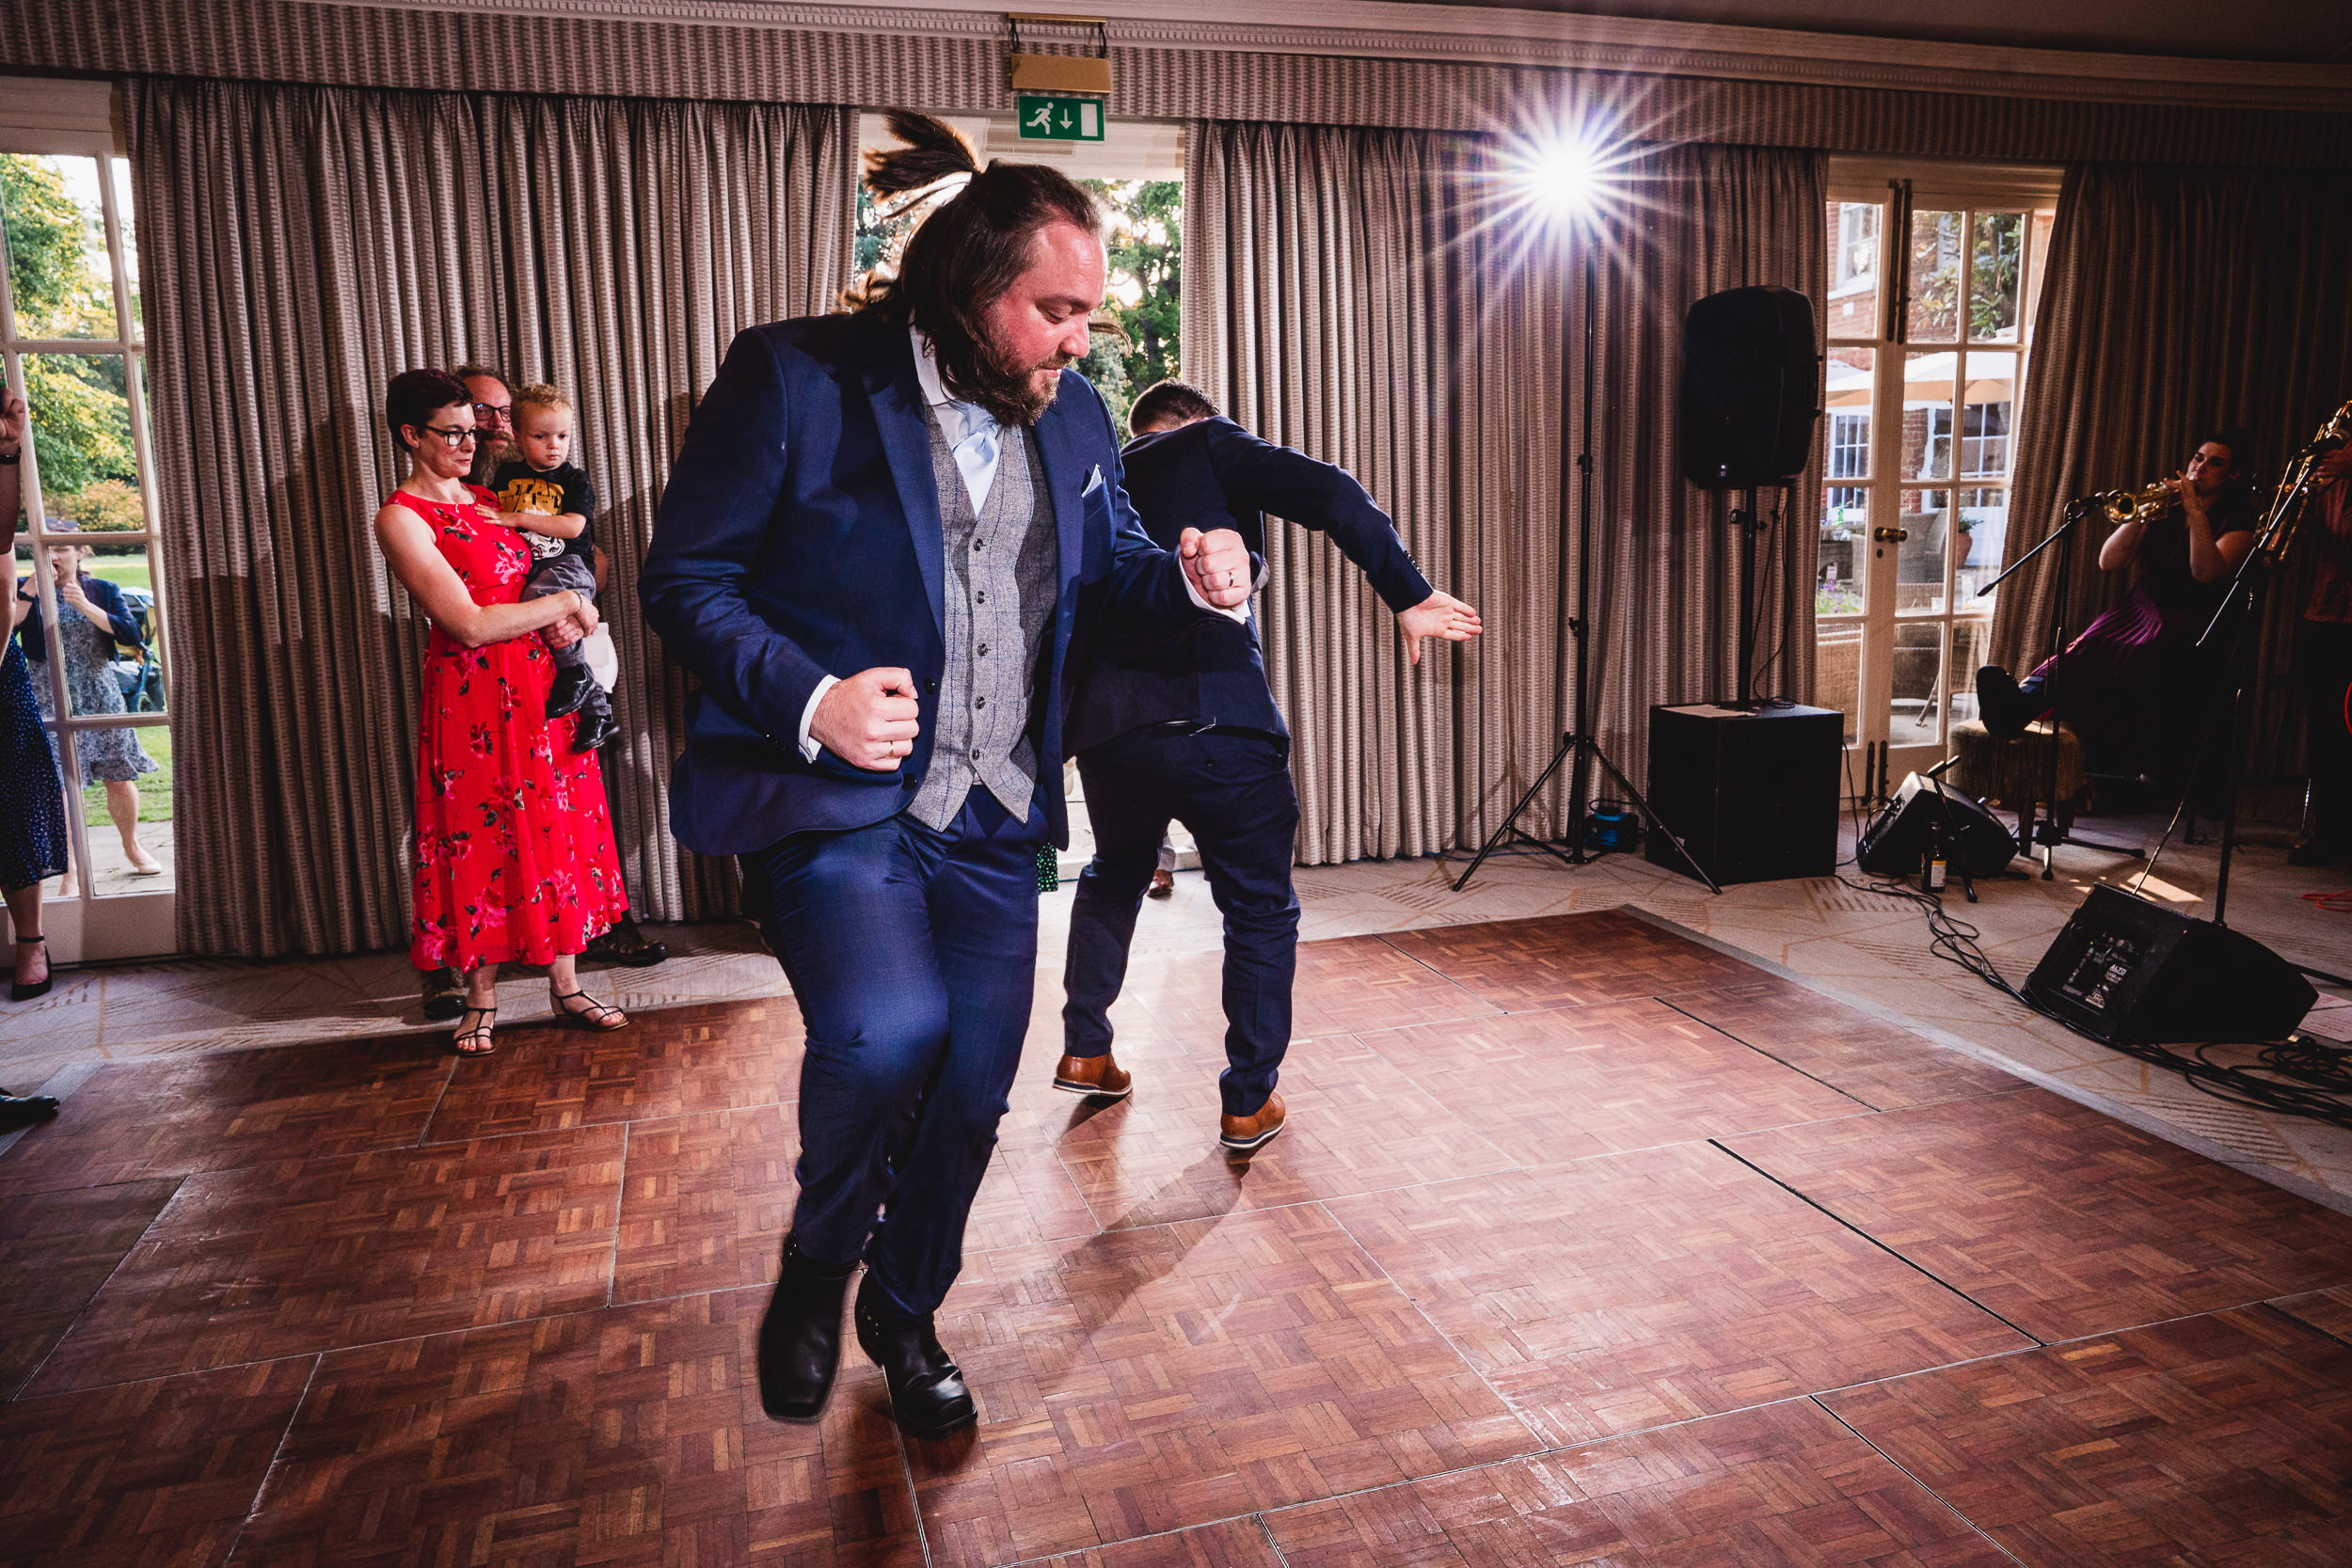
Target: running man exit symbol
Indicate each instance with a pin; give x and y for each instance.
(1049, 118)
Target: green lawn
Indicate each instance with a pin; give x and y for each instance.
(123, 571)
(154, 789)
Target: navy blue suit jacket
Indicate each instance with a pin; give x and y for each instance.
(800, 536)
(1211, 474)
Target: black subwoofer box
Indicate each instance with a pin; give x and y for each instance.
(1752, 795)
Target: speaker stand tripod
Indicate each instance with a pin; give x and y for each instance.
(1579, 747)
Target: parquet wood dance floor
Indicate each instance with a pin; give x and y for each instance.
(1586, 1244)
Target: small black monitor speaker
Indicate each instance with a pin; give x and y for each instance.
(2132, 972)
(1750, 388)
(1895, 842)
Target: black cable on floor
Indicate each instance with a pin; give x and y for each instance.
(2318, 1074)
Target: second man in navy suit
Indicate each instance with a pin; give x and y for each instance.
(1183, 726)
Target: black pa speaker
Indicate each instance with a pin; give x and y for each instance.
(2135, 973)
(1750, 388)
(1897, 839)
(1752, 795)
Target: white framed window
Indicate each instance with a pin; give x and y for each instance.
(90, 600)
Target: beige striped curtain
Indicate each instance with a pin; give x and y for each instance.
(2176, 300)
(1368, 297)
(324, 240)
(1332, 296)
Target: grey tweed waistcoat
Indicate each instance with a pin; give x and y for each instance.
(1000, 597)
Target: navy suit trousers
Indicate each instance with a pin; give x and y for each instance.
(1231, 788)
(913, 955)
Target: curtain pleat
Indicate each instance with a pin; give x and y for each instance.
(1376, 299)
(2175, 301)
(953, 61)
(1330, 294)
(326, 239)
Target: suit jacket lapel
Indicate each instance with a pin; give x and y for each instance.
(1067, 470)
(897, 399)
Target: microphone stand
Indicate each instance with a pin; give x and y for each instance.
(2251, 582)
(2046, 831)
(1955, 856)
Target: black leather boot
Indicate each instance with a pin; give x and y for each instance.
(927, 1392)
(569, 690)
(2004, 705)
(799, 1337)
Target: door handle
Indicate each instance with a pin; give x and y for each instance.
(1890, 535)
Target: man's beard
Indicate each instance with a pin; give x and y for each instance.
(1010, 396)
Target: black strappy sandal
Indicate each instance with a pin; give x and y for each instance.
(597, 1016)
(483, 1031)
(38, 987)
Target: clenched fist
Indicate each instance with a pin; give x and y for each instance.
(868, 719)
(1218, 563)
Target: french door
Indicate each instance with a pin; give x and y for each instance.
(1932, 292)
(90, 603)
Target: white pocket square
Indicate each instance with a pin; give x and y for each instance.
(1094, 482)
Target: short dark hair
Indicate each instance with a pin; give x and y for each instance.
(2238, 440)
(962, 257)
(472, 368)
(415, 396)
(1169, 401)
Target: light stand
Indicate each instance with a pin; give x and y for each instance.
(1579, 747)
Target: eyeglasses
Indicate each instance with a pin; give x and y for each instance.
(454, 437)
(492, 410)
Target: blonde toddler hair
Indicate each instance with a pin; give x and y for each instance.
(539, 394)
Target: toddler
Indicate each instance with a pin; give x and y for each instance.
(545, 494)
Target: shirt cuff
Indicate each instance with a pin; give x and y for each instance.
(1239, 613)
(809, 748)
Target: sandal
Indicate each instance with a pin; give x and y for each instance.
(479, 1034)
(18, 992)
(596, 1015)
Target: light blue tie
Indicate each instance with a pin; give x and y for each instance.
(975, 458)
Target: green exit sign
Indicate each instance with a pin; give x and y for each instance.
(1048, 119)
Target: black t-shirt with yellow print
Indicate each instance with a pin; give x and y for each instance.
(520, 487)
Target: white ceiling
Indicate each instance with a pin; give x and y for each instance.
(2307, 30)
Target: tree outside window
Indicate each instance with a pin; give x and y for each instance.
(59, 274)
(1136, 332)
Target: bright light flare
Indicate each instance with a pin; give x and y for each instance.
(1563, 177)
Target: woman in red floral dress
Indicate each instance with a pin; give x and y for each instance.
(514, 861)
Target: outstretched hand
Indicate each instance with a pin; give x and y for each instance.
(1218, 563)
(1438, 615)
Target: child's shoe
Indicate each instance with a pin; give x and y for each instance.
(569, 692)
(592, 730)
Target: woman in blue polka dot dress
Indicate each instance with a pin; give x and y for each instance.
(32, 813)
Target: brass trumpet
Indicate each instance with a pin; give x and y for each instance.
(2145, 504)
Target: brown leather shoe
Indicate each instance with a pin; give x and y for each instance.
(1096, 1077)
(1246, 1134)
(1163, 885)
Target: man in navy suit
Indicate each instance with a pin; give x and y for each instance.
(1185, 727)
(883, 535)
